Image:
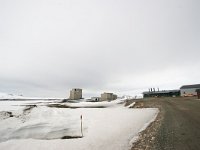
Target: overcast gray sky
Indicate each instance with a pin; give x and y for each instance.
(48, 47)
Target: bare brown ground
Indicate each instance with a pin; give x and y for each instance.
(177, 126)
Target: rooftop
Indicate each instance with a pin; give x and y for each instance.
(190, 86)
(159, 92)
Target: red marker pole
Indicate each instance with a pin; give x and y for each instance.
(81, 126)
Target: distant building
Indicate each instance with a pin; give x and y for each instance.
(164, 93)
(95, 99)
(198, 93)
(189, 90)
(75, 94)
(114, 96)
(108, 97)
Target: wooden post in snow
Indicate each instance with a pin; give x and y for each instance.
(81, 126)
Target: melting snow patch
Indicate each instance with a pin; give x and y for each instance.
(131, 105)
(108, 128)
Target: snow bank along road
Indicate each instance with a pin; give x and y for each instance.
(106, 125)
(179, 127)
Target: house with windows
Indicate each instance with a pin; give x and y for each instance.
(189, 90)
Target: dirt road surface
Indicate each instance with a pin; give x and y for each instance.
(177, 126)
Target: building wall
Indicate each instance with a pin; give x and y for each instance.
(198, 93)
(114, 96)
(108, 97)
(76, 94)
(161, 94)
(185, 92)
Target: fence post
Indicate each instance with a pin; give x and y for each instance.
(81, 126)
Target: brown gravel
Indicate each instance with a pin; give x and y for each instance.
(177, 126)
(146, 138)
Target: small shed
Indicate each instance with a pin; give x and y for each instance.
(95, 99)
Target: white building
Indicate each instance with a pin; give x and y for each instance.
(189, 90)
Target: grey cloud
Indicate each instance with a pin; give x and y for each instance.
(122, 46)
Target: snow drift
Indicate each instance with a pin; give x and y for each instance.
(42, 127)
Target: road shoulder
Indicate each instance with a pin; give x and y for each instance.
(147, 140)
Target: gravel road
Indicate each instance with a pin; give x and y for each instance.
(177, 126)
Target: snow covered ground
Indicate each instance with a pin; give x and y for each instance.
(11, 105)
(5, 96)
(111, 127)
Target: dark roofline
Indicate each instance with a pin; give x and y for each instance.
(159, 92)
(190, 86)
(107, 93)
